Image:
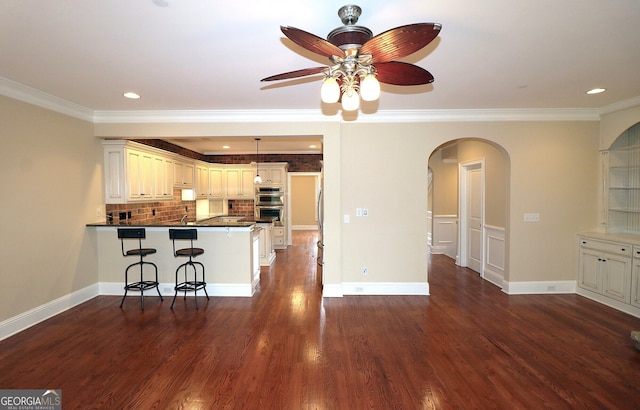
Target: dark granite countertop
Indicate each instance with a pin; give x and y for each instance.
(218, 221)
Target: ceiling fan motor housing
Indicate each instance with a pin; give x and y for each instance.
(349, 35)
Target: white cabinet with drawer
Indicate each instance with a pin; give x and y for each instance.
(278, 238)
(606, 268)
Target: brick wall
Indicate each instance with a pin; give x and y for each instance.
(297, 162)
(150, 212)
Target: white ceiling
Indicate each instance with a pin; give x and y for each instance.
(210, 55)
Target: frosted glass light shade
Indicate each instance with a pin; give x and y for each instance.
(330, 90)
(369, 88)
(257, 180)
(350, 100)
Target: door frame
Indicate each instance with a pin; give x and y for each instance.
(463, 211)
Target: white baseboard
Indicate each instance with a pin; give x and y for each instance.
(494, 277)
(41, 313)
(537, 288)
(332, 291)
(304, 227)
(385, 288)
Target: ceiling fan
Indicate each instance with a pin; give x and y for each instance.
(360, 61)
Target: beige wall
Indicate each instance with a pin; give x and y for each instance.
(52, 184)
(303, 195)
(554, 172)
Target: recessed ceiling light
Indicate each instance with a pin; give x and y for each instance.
(131, 95)
(312, 146)
(225, 147)
(160, 3)
(596, 91)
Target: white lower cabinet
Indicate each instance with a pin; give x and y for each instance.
(267, 252)
(278, 237)
(606, 268)
(635, 278)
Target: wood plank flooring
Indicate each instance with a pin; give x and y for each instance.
(466, 346)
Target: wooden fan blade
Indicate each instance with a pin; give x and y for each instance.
(399, 73)
(400, 41)
(295, 74)
(312, 42)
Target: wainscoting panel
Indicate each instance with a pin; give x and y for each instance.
(494, 261)
(444, 238)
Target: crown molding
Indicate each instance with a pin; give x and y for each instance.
(30, 95)
(223, 116)
(621, 105)
(41, 99)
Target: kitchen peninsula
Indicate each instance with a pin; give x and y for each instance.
(231, 254)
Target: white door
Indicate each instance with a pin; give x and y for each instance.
(471, 215)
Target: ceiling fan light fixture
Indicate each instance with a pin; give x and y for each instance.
(330, 91)
(369, 88)
(350, 100)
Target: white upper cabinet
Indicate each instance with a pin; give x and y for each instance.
(239, 181)
(273, 173)
(162, 178)
(217, 188)
(202, 181)
(183, 174)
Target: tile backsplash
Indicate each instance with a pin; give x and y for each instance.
(163, 211)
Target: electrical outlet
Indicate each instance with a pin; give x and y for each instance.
(98, 211)
(365, 212)
(347, 219)
(358, 211)
(365, 271)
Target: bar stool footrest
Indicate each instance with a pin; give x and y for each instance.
(190, 286)
(144, 285)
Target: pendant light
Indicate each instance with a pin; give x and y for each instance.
(257, 179)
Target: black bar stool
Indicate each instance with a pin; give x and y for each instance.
(188, 285)
(142, 285)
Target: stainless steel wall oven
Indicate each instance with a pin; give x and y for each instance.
(269, 203)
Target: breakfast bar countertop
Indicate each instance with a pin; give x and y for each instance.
(216, 221)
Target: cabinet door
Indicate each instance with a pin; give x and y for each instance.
(202, 182)
(635, 282)
(234, 180)
(114, 175)
(590, 270)
(277, 175)
(247, 175)
(139, 178)
(616, 277)
(183, 174)
(216, 183)
(162, 178)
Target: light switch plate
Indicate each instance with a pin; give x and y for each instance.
(532, 217)
(346, 218)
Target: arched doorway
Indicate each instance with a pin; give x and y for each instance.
(470, 179)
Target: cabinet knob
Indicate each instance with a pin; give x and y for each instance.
(623, 249)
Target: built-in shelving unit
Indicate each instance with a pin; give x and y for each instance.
(623, 183)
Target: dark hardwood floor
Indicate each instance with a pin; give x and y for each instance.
(466, 346)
